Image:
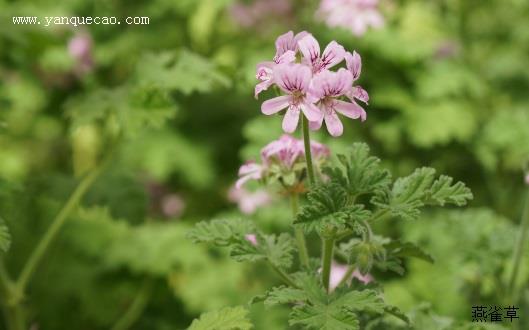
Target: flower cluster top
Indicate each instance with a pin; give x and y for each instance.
(355, 15)
(282, 159)
(302, 72)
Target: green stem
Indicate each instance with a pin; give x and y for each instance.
(308, 152)
(137, 306)
(520, 245)
(50, 235)
(300, 237)
(327, 253)
(284, 276)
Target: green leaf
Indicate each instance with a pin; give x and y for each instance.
(278, 250)
(443, 192)
(221, 232)
(360, 173)
(123, 110)
(5, 237)
(315, 309)
(186, 72)
(411, 193)
(228, 318)
(328, 206)
(407, 249)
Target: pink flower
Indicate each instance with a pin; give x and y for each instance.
(80, 48)
(338, 271)
(251, 238)
(286, 48)
(327, 87)
(285, 152)
(259, 11)
(366, 279)
(354, 65)
(248, 171)
(354, 15)
(172, 205)
(249, 202)
(310, 48)
(293, 79)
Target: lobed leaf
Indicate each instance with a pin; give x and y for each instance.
(413, 192)
(327, 206)
(360, 173)
(228, 318)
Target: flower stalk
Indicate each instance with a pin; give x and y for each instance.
(300, 237)
(308, 153)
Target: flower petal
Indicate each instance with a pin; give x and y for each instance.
(284, 43)
(350, 109)
(354, 64)
(290, 122)
(262, 86)
(269, 107)
(332, 55)
(359, 93)
(288, 57)
(309, 47)
(311, 112)
(293, 77)
(333, 123)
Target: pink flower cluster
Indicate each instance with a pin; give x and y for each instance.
(248, 201)
(354, 15)
(259, 11)
(310, 88)
(283, 153)
(80, 48)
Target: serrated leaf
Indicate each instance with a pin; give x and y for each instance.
(443, 192)
(228, 318)
(395, 311)
(276, 249)
(5, 237)
(411, 193)
(124, 110)
(328, 207)
(315, 309)
(407, 249)
(360, 173)
(221, 232)
(186, 72)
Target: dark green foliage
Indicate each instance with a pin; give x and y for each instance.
(315, 309)
(329, 206)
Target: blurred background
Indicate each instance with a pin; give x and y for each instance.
(448, 82)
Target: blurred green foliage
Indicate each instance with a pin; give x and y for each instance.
(448, 82)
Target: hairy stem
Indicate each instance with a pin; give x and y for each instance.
(327, 255)
(284, 276)
(308, 152)
(300, 237)
(520, 245)
(136, 307)
(50, 235)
